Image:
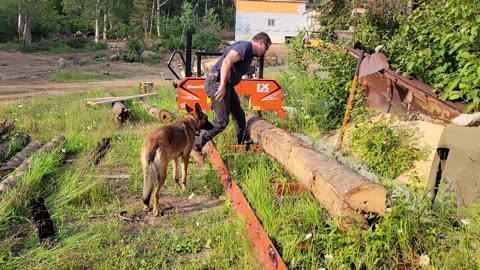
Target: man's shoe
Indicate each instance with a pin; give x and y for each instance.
(198, 156)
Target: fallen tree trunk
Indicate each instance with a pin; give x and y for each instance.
(18, 158)
(101, 150)
(5, 127)
(10, 182)
(341, 191)
(20, 139)
(161, 114)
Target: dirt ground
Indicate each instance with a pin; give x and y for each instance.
(27, 75)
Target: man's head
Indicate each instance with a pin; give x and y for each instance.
(261, 42)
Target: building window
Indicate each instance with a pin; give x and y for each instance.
(271, 22)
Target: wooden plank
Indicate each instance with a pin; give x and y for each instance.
(115, 99)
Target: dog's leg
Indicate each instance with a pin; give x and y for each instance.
(175, 170)
(183, 182)
(161, 168)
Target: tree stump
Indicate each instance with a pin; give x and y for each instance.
(341, 191)
(146, 87)
(121, 113)
(101, 150)
(43, 222)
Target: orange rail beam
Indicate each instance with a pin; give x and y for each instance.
(261, 243)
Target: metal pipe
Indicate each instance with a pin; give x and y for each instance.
(188, 55)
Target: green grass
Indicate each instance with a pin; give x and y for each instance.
(11, 46)
(86, 208)
(54, 46)
(74, 76)
(409, 228)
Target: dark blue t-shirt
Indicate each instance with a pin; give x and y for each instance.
(240, 68)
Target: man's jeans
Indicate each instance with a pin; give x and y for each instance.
(230, 104)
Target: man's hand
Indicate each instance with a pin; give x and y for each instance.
(220, 92)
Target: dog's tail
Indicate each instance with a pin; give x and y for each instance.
(149, 175)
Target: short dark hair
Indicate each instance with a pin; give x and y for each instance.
(263, 36)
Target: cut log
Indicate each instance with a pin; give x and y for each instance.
(10, 182)
(121, 113)
(18, 158)
(162, 115)
(43, 222)
(146, 87)
(5, 127)
(101, 150)
(341, 191)
(21, 139)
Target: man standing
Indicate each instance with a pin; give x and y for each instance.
(226, 73)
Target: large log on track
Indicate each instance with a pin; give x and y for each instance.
(341, 191)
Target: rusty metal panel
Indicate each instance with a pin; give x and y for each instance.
(262, 245)
(394, 93)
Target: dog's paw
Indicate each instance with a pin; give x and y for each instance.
(156, 213)
(146, 208)
(183, 186)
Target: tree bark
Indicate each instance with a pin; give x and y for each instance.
(158, 18)
(20, 139)
(120, 113)
(341, 191)
(20, 24)
(17, 160)
(10, 182)
(161, 114)
(5, 127)
(105, 26)
(97, 13)
(27, 31)
(158, 15)
(151, 19)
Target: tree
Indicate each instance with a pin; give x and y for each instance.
(31, 12)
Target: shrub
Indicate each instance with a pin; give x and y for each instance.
(439, 45)
(387, 149)
(134, 49)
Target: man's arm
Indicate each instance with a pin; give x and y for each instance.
(227, 63)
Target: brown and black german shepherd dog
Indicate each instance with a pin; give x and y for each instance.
(167, 143)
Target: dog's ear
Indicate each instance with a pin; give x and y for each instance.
(198, 108)
(188, 108)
